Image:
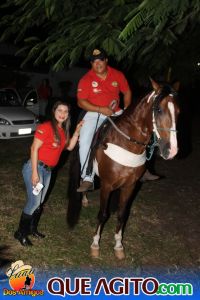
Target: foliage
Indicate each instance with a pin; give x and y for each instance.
(146, 32)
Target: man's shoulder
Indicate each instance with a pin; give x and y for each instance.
(115, 72)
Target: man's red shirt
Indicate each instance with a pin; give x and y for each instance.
(102, 92)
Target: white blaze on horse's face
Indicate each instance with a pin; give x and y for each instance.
(165, 114)
(173, 136)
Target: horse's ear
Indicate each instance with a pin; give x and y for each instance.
(176, 86)
(154, 84)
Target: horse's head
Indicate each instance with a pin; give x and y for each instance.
(165, 113)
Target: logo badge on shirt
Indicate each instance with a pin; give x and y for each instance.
(94, 84)
(97, 90)
(114, 83)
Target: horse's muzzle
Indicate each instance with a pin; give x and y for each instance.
(166, 151)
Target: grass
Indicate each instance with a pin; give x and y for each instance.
(162, 229)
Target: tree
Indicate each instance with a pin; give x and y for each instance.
(146, 32)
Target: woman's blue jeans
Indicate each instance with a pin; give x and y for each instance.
(32, 201)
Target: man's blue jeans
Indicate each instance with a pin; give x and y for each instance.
(32, 201)
(86, 135)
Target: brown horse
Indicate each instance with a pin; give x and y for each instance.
(120, 159)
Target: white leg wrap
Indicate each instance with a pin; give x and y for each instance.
(96, 239)
(118, 241)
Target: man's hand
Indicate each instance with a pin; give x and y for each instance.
(105, 110)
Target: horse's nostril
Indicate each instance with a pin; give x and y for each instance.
(164, 148)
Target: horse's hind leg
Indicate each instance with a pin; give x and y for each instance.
(125, 193)
(102, 217)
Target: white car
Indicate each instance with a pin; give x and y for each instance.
(28, 97)
(15, 120)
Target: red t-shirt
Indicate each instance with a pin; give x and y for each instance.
(50, 151)
(102, 92)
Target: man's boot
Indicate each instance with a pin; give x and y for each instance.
(85, 186)
(147, 176)
(24, 230)
(34, 224)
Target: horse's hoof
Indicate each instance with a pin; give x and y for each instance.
(119, 254)
(94, 252)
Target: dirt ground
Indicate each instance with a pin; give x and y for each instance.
(163, 227)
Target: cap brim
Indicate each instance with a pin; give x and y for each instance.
(94, 57)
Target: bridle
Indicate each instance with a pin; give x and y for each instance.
(156, 98)
(155, 108)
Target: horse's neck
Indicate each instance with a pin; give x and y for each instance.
(138, 121)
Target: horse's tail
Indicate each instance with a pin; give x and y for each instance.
(74, 203)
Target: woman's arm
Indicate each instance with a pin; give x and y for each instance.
(34, 160)
(75, 136)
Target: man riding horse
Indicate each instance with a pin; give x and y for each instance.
(98, 94)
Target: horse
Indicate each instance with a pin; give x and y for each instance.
(120, 158)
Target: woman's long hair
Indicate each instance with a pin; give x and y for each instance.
(65, 125)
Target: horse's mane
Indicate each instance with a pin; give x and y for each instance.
(132, 110)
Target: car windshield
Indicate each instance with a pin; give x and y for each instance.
(9, 98)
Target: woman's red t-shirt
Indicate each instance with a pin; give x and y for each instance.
(50, 151)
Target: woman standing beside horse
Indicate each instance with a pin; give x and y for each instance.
(50, 139)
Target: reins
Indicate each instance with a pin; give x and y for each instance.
(125, 135)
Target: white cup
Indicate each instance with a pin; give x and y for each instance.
(37, 189)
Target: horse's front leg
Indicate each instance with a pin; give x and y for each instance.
(102, 217)
(125, 193)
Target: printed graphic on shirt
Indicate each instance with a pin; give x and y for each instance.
(40, 131)
(55, 145)
(97, 90)
(94, 84)
(114, 83)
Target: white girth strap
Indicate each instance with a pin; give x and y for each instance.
(125, 157)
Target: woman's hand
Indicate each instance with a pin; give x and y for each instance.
(75, 136)
(35, 178)
(78, 128)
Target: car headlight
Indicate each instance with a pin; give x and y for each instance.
(4, 122)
